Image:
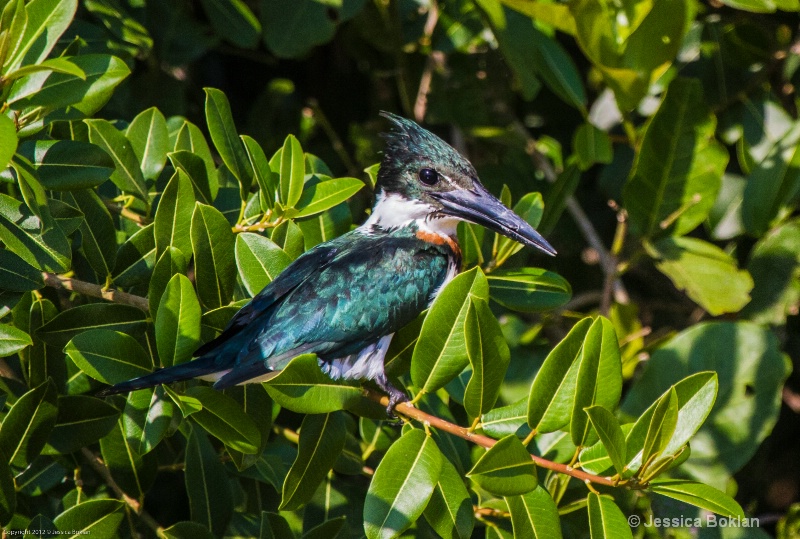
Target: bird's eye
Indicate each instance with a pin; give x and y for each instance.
(428, 176)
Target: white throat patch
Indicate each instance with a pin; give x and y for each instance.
(394, 211)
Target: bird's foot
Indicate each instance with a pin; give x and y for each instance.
(395, 395)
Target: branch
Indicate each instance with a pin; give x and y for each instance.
(133, 503)
(403, 408)
(94, 290)
(411, 412)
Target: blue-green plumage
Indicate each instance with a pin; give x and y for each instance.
(344, 299)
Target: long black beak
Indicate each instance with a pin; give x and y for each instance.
(479, 206)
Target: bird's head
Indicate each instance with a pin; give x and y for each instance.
(430, 176)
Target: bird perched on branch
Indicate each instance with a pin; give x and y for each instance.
(344, 299)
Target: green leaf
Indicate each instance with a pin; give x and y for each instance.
(662, 425)
(329, 529)
(289, 237)
(259, 261)
(707, 273)
(505, 420)
(23, 234)
(42, 361)
(108, 356)
(695, 398)
(226, 140)
(98, 233)
(12, 340)
(302, 387)
(751, 369)
(67, 165)
(233, 21)
(678, 171)
(127, 174)
(81, 421)
(610, 434)
(772, 185)
(258, 406)
(291, 28)
(47, 21)
(207, 484)
(146, 418)
(534, 515)
(223, 418)
(8, 140)
(557, 70)
(326, 225)
(150, 141)
(266, 179)
(530, 207)
(599, 378)
(186, 404)
(506, 469)
(441, 352)
(8, 494)
(605, 518)
(402, 485)
(555, 15)
(630, 47)
(322, 439)
(292, 172)
(773, 264)
(32, 191)
(323, 195)
(197, 171)
(545, 408)
(55, 65)
(136, 258)
(14, 20)
(43, 474)
(98, 518)
(177, 322)
(169, 264)
(592, 145)
(274, 526)
(188, 530)
(488, 355)
(53, 91)
(528, 289)
(213, 244)
(699, 495)
(121, 24)
(449, 511)
(68, 218)
(28, 424)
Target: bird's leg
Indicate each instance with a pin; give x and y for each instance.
(395, 395)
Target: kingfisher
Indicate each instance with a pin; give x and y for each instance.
(344, 299)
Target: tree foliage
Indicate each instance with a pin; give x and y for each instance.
(634, 376)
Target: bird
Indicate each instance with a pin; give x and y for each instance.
(344, 299)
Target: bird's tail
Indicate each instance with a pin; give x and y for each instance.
(201, 366)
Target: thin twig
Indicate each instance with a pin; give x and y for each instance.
(434, 58)
(99, 466)
(333, 136)
(94, 290)
(127, 213)
(607, 261)
(412, 412)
